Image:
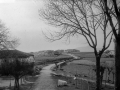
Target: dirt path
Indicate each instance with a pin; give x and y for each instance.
(45, 81)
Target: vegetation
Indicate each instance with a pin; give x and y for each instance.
(79, 17)
(86, 54)
(40, 59)
(72, 51)
(111, 9)
(31, 78)
(6, 41)
(87, 68)
(16, 68)
(22, 87)
(109, 54)
(102, 70)
(82, 71)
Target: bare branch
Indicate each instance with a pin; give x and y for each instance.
(78, 17)
(6, 41)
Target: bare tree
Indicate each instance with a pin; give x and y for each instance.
(17, 68)
(110, 69)
(80, 17)
(6, 41)
(102, 71)
(112, 10)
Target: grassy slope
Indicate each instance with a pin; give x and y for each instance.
(75, 67)
(49, 59)
(91, 56)
(86, 54)
(40, 57)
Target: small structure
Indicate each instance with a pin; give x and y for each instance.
(62, 83)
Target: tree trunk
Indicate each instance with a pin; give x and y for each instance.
(18, 84)
(15, 84)
(101, 75)
(98, 78)
(117, 64)
(16, 87)
(109, 71)
(113, 78)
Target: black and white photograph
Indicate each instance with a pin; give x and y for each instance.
(59, 44)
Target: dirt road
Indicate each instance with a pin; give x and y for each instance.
(45, 81)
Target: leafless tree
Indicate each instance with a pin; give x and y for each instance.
(102, 70)
(6, 41)
(112, 10)
(80, 17)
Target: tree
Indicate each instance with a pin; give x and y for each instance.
(16, 63)
(6, 41)
(111, 9)
(80, 17)
(16, 68)
(57, 53)
(107, 51)
(110, 68)
(50, 52)
(109, 54)
(102, 70)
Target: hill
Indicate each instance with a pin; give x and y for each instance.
(85, 49)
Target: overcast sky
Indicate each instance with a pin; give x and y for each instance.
(23, 20)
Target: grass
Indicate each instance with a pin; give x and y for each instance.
(51, 59)
(71, 84)
(102, 59)
(31, 78)
(71, 68)
(25, 86)
(86, 54)
(84, 71)
(39, 58)
(22, 87)
(77, 85)
(94, 60)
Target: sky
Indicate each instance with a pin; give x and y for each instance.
(23, 20)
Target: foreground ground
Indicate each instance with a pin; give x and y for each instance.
(48, 82)
(45, 82)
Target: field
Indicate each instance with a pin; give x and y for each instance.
(84, 67)
(76, 66)
(77, 85)
(93, 60)
(86, 54)
(51, 59)
(82, 71)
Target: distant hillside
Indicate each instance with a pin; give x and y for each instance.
(85, 49)
(44, 53)
(53, 52)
